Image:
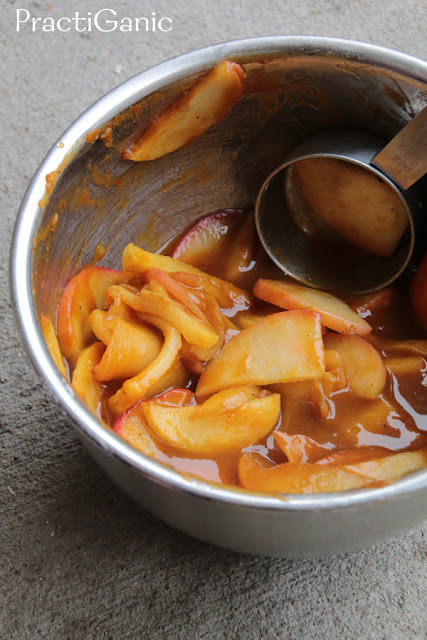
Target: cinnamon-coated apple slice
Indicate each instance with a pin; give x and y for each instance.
(335, 313)
(83, 293)
(227, 431)
(226, 401)
(209, 235)
(363, 366)
(136, 262)
(131, 347)
(131, 426)
(258, 474)
(52, 343)
(148, 302)
(84, 382)
(205, 104)
(283, 347)
(390, 468)
(165, 371)
(227, 236)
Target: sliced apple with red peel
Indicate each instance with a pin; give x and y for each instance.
(258, 474)
(84, 293)
(363, 366)
(176, 291)
(164, 372)
(231, 431)
(335, 313)
(148, 302)
(209, 235)
(136, 262)
(205, 104)
(131, 348)
(52, 343)
(227, 236)
(283, 347)
(131, 426)
(84, 382)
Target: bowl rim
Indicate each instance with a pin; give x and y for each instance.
(115, 101)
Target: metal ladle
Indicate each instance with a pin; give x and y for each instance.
(308, 249)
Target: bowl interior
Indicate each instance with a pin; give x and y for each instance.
(99, 198)
(295, 88)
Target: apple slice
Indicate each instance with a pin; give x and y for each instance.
(226, 401)
(84, 293)
(164, 372)
(224, 239)
(136, 262)
(283, 347)
(131, 348)
(406, 366)
(258, 474)
(390, 468)
(176, 291)
(363, 366)
(360, 206)
(372, 303)
(301, 448)
(148, 302)
(230, 431)
(353, 456)
(52, 344)
(131, 426)
(205, 104)
(209, 235)
(335, 314)
(399, 347)
(83, 382)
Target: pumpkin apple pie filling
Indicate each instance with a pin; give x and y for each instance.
(211, 361)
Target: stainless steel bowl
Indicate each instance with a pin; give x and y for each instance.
(296, 87)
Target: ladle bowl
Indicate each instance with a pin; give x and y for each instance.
(329, 263)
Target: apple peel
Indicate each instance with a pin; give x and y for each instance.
(83, 293)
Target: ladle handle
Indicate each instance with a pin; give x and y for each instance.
(404, 159)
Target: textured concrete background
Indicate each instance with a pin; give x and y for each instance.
(78, 558)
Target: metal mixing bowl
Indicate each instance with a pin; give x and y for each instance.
(296, 87)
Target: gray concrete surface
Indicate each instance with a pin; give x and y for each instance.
(78, 558)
